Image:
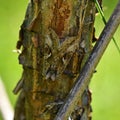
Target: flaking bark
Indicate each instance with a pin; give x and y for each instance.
(56, 38)
(90, 65)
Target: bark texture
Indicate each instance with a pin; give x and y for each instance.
(56, 38)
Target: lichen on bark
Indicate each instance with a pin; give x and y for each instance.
(56, 41)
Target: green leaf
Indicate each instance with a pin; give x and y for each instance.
(104, 21)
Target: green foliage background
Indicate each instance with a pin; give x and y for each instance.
(105, 83)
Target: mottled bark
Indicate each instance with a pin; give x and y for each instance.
(56, 38)
(88, 69)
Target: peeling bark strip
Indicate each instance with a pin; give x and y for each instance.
(56, 38)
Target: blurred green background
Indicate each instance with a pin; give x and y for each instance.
(105, 84)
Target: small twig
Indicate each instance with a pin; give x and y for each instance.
(18, 87)
(87, 71)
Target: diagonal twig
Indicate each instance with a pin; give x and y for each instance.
(88, 69)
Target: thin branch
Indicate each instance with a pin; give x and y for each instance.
(87, 71)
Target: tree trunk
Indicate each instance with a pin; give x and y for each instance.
(56, 38)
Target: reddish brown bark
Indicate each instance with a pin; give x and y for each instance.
(56, 36)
